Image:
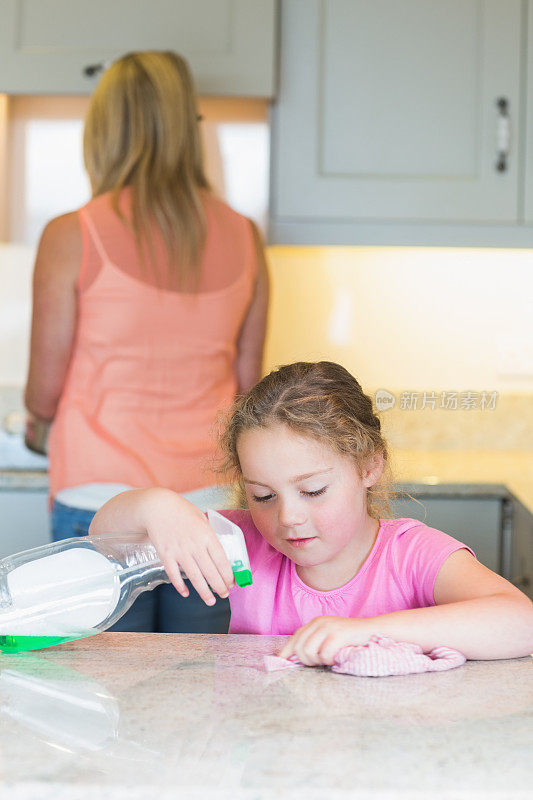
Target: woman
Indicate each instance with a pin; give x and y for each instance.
(149, 315)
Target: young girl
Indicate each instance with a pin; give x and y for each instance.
(306, 448)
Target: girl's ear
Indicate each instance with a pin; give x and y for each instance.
(373, 470)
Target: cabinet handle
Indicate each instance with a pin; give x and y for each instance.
(503, 133)
(92, 69)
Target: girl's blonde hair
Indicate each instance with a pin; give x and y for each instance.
(319, 400)
(141, 131)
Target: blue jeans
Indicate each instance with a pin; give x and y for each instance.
(163, 610)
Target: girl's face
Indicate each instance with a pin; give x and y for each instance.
(308, 502)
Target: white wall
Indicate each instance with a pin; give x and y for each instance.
(16, 266)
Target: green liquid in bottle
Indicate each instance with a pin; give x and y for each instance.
(17, 644)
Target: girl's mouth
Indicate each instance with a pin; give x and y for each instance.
(301, 542)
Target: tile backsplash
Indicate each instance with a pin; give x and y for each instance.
(402, 319)
(405, 318)
(509, 426)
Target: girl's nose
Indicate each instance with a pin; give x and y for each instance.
(290, 514)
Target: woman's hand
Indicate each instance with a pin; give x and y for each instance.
(36, 433)
(180, 533)
(320, 640)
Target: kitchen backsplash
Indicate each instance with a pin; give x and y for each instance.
(448, 329)
(507, 426)
(407, 319)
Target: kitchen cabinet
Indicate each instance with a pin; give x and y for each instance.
(528, 144)
(487, 518)
(46, 46)
(24, 519)
(387, 128)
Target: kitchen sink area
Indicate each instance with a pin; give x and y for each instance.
(15, 456)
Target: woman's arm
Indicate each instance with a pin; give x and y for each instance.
(54, 314)
(478, 613)
(252, 335)
(179, 532)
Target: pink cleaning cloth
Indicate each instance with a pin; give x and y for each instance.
(381, 656)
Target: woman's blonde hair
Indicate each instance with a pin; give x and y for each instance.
(141, 131)
(319, 400)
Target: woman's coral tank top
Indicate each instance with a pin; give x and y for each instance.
(150, 367)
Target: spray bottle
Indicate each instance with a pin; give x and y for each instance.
(78, 587)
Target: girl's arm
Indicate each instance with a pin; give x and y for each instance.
(252, 335)
(180, 533)
(478, 613)
(54, 314)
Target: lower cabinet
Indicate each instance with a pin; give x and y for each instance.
(498, 529)
(24, 520)
(475, 522)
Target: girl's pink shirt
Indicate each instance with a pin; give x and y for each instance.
(398, 574)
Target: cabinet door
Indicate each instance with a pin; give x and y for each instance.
(387, 111)
(528, 172)
(46, 44)
(24, 520)
(474, 521)
(518, 545)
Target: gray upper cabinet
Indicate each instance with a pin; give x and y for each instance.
(387, 119)
(528, 167)
(45, 45)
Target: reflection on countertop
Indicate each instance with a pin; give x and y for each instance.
(133, 714)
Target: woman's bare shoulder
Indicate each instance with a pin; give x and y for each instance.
(59, 253)
(66, 227)
(61, 244)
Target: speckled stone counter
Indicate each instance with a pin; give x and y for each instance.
(24, 479)
(126, 715)
(513, 468)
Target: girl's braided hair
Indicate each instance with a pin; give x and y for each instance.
(319, 400)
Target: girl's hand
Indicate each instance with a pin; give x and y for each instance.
(179, 532)
(320, 640)
(184, 538)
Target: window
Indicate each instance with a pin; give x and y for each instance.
(42, 176)
(46, 176)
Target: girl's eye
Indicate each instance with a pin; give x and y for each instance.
(262, 499)
(316, 493)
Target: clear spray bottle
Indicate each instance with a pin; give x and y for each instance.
(78, 587)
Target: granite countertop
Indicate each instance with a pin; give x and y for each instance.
(24, 479)
(512, 468)
(139, 715)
